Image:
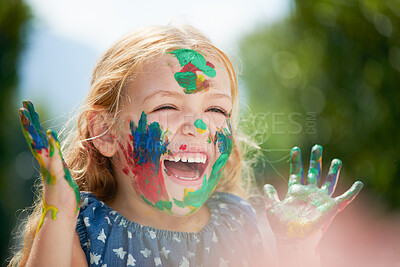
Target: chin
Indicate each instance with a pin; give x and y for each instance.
(182, 212)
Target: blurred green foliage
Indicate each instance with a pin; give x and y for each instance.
(14, 15)
(329, 74)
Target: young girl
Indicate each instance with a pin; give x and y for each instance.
(151, 174)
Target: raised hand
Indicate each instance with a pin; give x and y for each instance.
(56, 176)
(307, 208)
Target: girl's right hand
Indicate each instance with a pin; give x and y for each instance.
(61, 193)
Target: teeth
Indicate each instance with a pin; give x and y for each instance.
(191, 159)
(196, 176)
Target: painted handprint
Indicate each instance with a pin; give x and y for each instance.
(307, 208)
(46, 149)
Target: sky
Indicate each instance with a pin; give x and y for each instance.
(67, 37)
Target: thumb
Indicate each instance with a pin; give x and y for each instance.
(347, 197)
(270, 196)
(54, 167)
(59, 167)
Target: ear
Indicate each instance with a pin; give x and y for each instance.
(102, 136)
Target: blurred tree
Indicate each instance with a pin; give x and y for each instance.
(14, 15)
(329, 72)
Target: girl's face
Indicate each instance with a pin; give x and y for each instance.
(176, 136)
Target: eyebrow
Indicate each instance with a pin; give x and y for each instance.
(163, 93)
(176, 94)
(220, 95)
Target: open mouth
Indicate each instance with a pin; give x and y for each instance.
(185, 167)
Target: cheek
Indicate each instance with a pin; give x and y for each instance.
(167, 120)
(215, 122)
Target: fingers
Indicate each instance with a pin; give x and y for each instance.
(54, 144)
(55, 151)
(271, 197)
(296, 167)
(34, 118)
(347, 197)
(32, 138)
(56, 163)
(314, 172)
(332, 178)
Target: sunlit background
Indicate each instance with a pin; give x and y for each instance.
(323, 71)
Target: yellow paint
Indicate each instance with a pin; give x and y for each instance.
(148, 213)
(200, 79)
(298, 229)
(45, 209)
(199, 83)
(185, 193)
(201, 131)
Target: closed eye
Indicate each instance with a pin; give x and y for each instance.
(164, 108)
(219, 110)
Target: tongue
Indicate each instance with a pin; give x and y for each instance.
(182, 169)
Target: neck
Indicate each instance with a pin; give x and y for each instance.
(130, 206)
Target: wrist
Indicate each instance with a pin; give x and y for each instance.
(296, 251)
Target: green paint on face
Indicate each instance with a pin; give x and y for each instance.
(186, 56)
(187, 80)
(201, 126)
(191, 62)
(163, 205)
(197, 198)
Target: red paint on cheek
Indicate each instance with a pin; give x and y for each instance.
(183, 147)
(147, 181)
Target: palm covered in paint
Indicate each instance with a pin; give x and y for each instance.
(46, 149)
(307, 208)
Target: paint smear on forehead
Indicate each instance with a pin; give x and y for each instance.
(192, 62)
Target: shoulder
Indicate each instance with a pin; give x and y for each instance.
(235, 229)
(233, 211)
(93, 216)
(227, 203)
(91, 206)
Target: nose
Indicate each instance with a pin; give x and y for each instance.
(194, 126)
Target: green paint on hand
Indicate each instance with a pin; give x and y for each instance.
(67, 174)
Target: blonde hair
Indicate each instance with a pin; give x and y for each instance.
(115, 69)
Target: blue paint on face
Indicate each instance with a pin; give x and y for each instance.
(149, 143)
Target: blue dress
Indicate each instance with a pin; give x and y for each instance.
(231, 237)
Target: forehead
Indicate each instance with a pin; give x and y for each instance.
(159, 74)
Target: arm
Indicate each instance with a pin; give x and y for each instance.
(300, 220)
(53, 242)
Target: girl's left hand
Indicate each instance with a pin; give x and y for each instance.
(307, 209)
